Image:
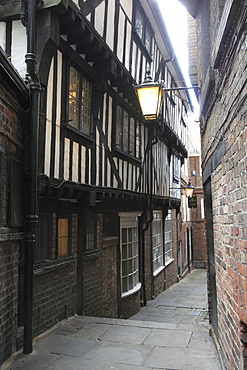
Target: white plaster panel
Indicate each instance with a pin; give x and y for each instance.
(83, 164)
(75, 162)
(3, 35)
(99, 18)
(66, 158)
(121, 35)
(19, 47)
(127, 6)
(110, 24)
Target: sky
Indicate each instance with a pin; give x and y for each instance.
(175, 17)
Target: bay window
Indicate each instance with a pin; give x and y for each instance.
(157, 240)
(129, 253)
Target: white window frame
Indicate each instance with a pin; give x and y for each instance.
(157, 242)
(168, 238)
(129, 253)
(185, 249)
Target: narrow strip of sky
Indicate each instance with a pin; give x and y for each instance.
(175, 17)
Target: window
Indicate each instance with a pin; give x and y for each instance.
(42, 249)
(143, 30)
(127, 133)
(90, 233)
(157, 240)
(176, 168)
(129, 252)
(80, 101)
(54, 237)
(185, 249)
(168, 237)
(11, 191)
(62, 237)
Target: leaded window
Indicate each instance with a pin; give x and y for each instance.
(127, 137)
(143, 30)
(80, 101)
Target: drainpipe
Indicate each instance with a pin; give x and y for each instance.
(32, 217)
(152, 140)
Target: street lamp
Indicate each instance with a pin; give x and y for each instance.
(150, 96)
(188, 190)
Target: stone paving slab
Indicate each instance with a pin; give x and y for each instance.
(129, 354)
(185, 359)
(171, 332)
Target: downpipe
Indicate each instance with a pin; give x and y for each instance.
(32, 217)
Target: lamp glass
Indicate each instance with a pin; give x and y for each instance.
(150, 98)
(188, 190)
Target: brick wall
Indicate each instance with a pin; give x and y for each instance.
(54, 296)
(9, 297)
(227, 123)
(171, 271)
(55, 284)
(11, 220)
(109, 279)
(130, 305)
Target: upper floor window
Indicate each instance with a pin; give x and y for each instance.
(176, 168)
(80, 101)
(127, 132)
(143, 30)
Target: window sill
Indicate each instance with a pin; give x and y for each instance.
(132, 291)
(157, 272)
(169, 262)
(89, 255)
(142, 46)
(75, 134)
(123, 155)
(52, 265)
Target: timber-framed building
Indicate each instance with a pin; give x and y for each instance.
(107, 195)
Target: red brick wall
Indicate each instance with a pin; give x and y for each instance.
(227, 122)
(11, 148)
(109, 278)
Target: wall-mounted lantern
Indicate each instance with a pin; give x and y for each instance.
(150, 96)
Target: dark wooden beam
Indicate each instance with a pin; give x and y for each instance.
(88, 6)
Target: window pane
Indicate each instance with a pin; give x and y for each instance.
(86, 97)
(130, 273)
(132, 136)
(90, 238)
(124, 284)
(126, 132)
(148, 40)
(119, 119)
(139, 24)
(62, 236)
(124, 251)
(157, 238)
(124, 235)
(168, 237)
(74, 103)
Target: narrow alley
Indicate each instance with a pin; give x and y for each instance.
(171, 332)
